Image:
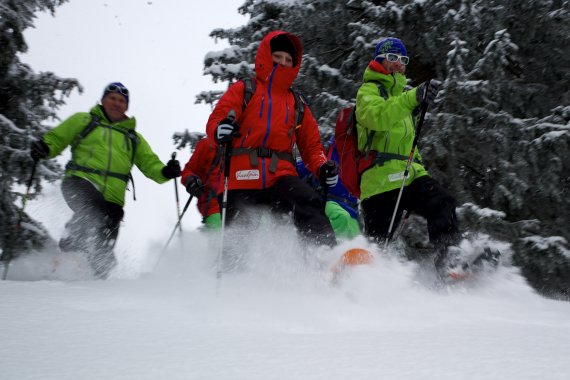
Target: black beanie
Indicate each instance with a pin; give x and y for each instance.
(282, 43)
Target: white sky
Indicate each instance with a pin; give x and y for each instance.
(156, 48)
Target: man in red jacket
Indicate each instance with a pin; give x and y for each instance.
(262, 136)
(200, 178)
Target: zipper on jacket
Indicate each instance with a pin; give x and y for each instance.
(403, 139)
(245, 138)
(290, 132)
(261, 117)
(262, 105)
(394, 83)
(268, 125)
(110, 155)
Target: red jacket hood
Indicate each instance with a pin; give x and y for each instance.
(283, 76)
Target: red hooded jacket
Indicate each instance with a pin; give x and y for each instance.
(202, 164)
(268, 122)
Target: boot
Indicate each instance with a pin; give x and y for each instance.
(450, 263)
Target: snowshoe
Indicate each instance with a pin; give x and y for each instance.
(102, 263)
(456, 268)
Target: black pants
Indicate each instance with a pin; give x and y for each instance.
(288, 194)
(94, 227)
(425, 197)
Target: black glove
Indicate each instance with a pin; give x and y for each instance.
(194, 186)
(431, 87)
(328, 174)
(172, 169)
(227, 130)
(38, 150)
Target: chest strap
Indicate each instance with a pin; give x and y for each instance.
(264, 153)
(124, 177)
(382, 157)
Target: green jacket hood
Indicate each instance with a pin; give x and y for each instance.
(393, 83)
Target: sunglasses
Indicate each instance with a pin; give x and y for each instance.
(114, 88)
(391, 57)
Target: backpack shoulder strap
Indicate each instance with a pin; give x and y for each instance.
(87, 130)
(134, 139)
(352, 118)
(300, 102)
(382, 90)
(131, 135)
(248, 90)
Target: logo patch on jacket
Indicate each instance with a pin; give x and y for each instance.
(396, 177)
(247, 175)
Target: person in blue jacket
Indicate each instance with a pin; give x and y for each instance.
(341, 207)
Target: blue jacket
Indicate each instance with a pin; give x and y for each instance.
(337, 194)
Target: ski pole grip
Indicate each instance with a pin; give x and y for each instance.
(173, 156)
(228, 148)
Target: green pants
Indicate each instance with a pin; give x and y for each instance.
(213, 222)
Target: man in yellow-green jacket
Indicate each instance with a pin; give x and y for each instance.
(386, 131)
(104, 148)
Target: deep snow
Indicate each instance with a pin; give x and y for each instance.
(277, 318)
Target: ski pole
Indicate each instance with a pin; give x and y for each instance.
(176, 226)
(7, 256)
(424, 106)
(398, 230)
(177, 198)
(227, 160)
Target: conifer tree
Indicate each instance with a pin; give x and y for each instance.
(27, 101)
(497, 135)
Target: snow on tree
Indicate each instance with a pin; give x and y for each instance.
(27, 100)
(498, 135)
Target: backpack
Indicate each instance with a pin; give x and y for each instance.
(352, 162)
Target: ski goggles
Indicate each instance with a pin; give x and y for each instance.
(119, 89)
(392, 57)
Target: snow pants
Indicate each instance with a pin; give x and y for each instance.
(288, 194)
(94, 227)
(425, 197)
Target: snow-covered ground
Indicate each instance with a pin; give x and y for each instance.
(278, 318)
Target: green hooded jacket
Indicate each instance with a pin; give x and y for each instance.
(104, 150)
(394, 130)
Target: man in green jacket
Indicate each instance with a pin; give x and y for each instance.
(386, 130)
(104, 148)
